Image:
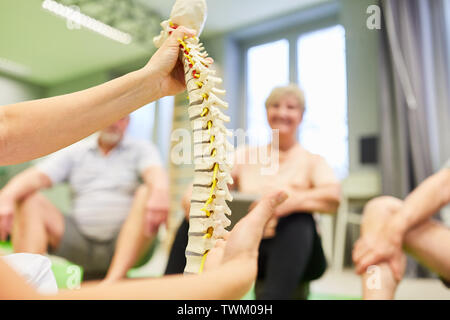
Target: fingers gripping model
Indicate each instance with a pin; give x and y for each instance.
(208, 210)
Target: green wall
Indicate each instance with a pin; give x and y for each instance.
(77, 84)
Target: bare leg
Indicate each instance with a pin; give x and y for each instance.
(429, 243)
(37, 224)
(378, 281)
(132, 243)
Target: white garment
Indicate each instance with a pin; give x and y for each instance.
(36, 269)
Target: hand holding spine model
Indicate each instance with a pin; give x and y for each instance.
(207, 218)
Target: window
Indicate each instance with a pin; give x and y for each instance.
(322, 76)
(316, 60)
(164, 126)
(141, 122)
(267, 67)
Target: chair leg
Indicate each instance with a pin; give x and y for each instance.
(340, 236)
(326, 227)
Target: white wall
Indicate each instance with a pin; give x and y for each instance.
(362, 76)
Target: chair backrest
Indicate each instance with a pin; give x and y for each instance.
(239, 207)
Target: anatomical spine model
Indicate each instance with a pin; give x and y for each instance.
(207, 217)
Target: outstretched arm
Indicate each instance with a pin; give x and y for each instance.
(231, 281)
(232, 278)
(32, 129)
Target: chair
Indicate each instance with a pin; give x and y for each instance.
(326, 224)
(357, 189)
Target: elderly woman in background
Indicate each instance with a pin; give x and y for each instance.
(291, 252)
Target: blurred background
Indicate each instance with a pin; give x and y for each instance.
(343, 54)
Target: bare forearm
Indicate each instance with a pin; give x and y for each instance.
(230, 281)
(70, 117)
(24, 184)
(156, 179)
(321, 199)
(425, 200)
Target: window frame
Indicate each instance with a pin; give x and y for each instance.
(291, 34)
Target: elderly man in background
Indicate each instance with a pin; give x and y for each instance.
(114, 218)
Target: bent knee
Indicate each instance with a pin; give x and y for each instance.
(381, 207)
(32, 204)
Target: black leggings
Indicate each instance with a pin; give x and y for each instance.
(177, 259)
(292, 257)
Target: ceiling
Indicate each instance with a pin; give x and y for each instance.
(227, 15)
(46, 52)
(40, 42)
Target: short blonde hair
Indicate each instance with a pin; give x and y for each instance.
(278, 92)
